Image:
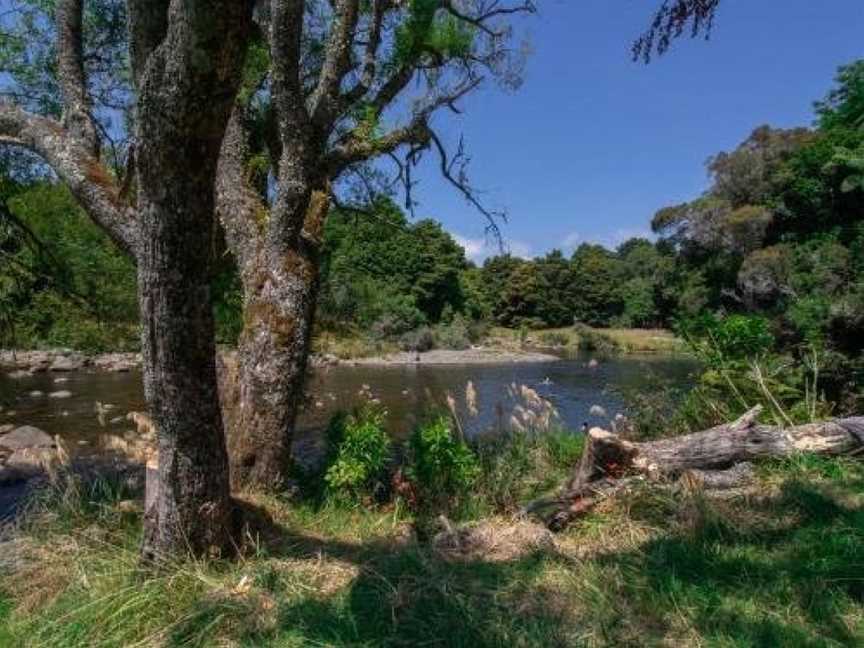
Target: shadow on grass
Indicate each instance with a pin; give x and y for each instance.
(406, 594)
(790, 583)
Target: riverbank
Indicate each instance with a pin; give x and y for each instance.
(501, 345)
(473, 356)
(778, 565)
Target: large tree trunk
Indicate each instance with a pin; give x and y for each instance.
(280, 292)
(193, 506)
(187, 79)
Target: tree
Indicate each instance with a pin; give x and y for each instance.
(596, 274)
(185, 68)
(556, 301)
(331, 75)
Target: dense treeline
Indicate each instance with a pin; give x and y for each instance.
(778, 234)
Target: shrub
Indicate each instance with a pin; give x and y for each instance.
(421, 339)
(591, 340)
(441, 467)
(359, 453)
(736, 337)
(454, 335)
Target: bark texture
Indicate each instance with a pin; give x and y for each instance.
(718, 458)
(186, 90)
(279, 273)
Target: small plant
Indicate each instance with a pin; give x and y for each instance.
(441, 466)
(359, 453)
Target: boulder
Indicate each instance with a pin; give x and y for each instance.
(18, 375)
(68, 363)
(31, 462)
(25, 437)
(60, 394)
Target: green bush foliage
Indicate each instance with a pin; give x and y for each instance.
(359, 454)
(441, 466)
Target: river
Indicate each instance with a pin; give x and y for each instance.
(571, 385)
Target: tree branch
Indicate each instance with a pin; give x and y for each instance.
(85, 176)
(77, 107)
(240, 208)
(337, 63)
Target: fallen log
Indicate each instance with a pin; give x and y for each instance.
(717, 458)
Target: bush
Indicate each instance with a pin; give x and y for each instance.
(736, 337)
(441, 467)
(591, 340)
(421, 339)
(454, 335)
(359, 454)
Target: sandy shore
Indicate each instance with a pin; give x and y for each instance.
(445, 357)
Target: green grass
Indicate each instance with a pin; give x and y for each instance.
(781, 566)
(625, 340)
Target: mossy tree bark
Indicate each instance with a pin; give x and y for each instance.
(324, 119)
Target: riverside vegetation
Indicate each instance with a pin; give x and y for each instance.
(389, 544)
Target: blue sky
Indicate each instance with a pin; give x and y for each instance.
(593, 143)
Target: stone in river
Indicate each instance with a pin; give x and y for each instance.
(17, 375)
(67, 363)
(60, 394)
(26, 436)
(36, 393)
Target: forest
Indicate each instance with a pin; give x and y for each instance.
(253, 393)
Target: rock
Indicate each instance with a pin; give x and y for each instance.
(30, 462)
(18, 375)
(7, 427)
(36, 393)
(68, 363)
(58, 381)
(593, 364)
(117, 419)
(597, 410)
(26, 436)
(60, 394)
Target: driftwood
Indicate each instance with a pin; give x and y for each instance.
(718, 458)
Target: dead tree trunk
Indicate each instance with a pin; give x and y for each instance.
(711, 458)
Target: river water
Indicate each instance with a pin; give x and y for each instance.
(571, 385)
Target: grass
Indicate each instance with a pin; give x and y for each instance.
(625, 340)
(780, 566)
